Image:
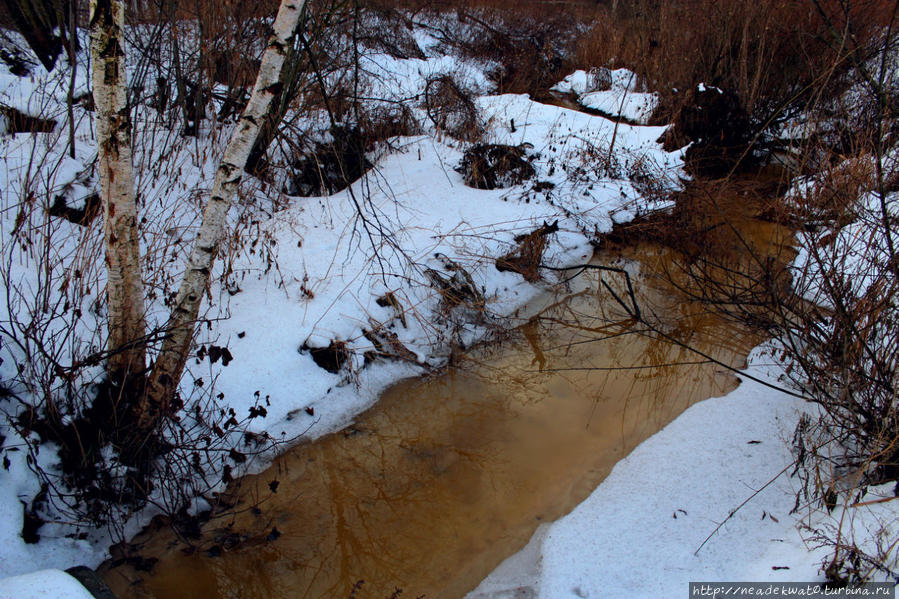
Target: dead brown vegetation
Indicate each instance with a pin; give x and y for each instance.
(765, 52)
(496, 166)
(451, 108)
(527, 258)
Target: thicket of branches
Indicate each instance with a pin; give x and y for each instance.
(114, 459)
(192, 66)
(826, 96)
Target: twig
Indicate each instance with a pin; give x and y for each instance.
(739, 507)
(873, 501)
(614, 368)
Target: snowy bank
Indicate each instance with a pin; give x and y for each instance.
(639, 533)
(615, 93)
(41, 585)
(297, 274)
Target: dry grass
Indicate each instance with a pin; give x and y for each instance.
(451, 108)
(496, 166)
(766, 52)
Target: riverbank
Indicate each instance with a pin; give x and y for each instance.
(643, 531)
(319, 303)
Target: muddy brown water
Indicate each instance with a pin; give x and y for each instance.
(447, 475)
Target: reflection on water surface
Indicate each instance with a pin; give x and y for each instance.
(446, 476)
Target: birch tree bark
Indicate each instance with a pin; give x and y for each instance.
(124, 289)
(169, 365)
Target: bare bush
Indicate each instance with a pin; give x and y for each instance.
(844, 348)
(496, 166)
(832, 311)
(775, 58)
(451, 108)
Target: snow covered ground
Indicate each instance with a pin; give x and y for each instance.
(615, 93)
(652, 526)
(42, 584)
(638, 533)
(297, 273)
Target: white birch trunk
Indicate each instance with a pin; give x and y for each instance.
(169, 364)
(124, 288)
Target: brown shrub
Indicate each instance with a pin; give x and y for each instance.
(452, 109)
(765, 52)
(19, 122)
(526, 258)
(455, 287)
(388, 30)
(495, 166)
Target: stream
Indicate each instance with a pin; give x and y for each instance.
(449, 474)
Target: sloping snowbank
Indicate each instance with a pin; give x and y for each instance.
(297, 272)
(615, 93)
(41, 585)
(632, 106)
(328, 277)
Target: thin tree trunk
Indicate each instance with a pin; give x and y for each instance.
(170, 363)
(124, 289)
(181, 101)
(73, 63)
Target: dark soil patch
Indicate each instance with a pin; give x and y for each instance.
(330, 167)
(15, 59)
(720, 130)
(80, 216)
(495, 166)
(19, 122)
(32, 521)
(42, 26)
(332, 358)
